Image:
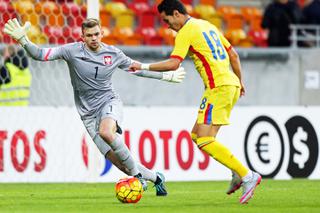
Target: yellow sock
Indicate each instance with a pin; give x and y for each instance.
(222, 154)
(194, 137)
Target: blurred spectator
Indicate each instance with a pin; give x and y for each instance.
(15, 78)
(277, 18)
(311, 16)
(311, 12)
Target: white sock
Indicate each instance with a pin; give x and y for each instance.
(147, 173)
(123, 153)
(248, 176)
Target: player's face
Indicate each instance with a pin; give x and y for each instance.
(92, 37)
(172, 21)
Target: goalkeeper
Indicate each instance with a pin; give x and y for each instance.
(91, 65)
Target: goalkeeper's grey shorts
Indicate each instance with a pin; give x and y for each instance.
(112, 110)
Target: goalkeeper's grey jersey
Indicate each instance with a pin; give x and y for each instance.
(90, 73)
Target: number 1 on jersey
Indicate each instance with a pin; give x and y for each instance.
(95, 76)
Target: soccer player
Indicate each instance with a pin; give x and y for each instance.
(91, 65)
(212, 55)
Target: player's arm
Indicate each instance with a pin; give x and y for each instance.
(234, 61)
(169, 64)
(181, 48)
(236, 67)
(19, 33)
(126, 62)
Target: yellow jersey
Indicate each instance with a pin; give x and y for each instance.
(207, 47)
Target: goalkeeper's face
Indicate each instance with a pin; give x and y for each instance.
(92, 37)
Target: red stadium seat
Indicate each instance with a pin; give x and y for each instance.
(187, 1)
(150, 36)
(139, 7)
(154, 9)
(7, 39)
(5, 7)
(79, 20)
(70, 8)
(146, 19)
(84, 10)
(259, 37)
(70, 21)
(76, 33)
(74, 21)
(66, 31)
(4, 38)
(54, 34)
(6, 12)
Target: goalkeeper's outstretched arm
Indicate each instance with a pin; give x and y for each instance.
(19, 33)
(40, 54)
(175, 76)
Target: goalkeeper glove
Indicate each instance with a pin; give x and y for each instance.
(16, 31)
(175, 76)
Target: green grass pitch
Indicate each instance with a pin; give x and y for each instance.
(299, 195)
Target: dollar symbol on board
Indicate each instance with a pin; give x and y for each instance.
(302, 152)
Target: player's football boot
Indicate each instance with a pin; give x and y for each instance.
(143, 181)
(249, 187)
(159, 184)
(235, 183)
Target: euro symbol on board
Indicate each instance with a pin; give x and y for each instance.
(262, 148)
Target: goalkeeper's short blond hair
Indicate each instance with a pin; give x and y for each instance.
(89, 23)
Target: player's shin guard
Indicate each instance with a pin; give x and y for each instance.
(122, 152)
(222, 154)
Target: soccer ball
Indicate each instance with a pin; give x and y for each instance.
(129, 190)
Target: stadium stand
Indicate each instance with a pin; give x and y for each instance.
(57, 22)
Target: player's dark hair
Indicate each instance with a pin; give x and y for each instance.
(89, 23)
(168, 6)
